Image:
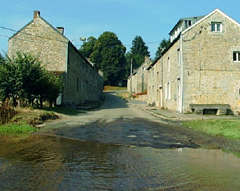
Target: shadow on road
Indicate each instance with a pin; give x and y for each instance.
(138, 132)
(112, 101)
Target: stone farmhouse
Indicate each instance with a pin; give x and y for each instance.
(82, 83)
(138, 80)
(200, 71)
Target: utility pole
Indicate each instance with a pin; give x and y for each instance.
(131, 71)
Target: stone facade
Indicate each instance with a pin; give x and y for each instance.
(200, 66)
(57, 54)
(137, 82)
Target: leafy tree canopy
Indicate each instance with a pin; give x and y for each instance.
(1, 59)
(87, 47)
(109, 56)
(139, 47)
(23, 79)
(163, 46)
(137, 54)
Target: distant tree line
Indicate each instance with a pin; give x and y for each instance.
(23, 80)
(109, 55)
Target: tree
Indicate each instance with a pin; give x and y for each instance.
(87, 47)
(139, 47)
(162, 47)
(22, 78)
(128, 57)
(109, 56)
(10, 82)
(138, 51)
(1, 59)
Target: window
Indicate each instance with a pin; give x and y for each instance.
(189, 23)
(216, 27)
(236, 56)
(169, 90)
(179, 56)
(77, 84)
(169, 64)
(166, 91)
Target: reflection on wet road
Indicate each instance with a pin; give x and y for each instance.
(54, 163)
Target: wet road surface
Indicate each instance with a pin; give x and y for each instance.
(54, 163)
(118, 147)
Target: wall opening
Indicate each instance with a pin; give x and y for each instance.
(210, 111)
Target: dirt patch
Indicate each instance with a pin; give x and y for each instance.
(33, 117)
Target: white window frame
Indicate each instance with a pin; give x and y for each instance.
(179, 56)
(169, 90)
(166, 91)
(237, 56)
(215, 28)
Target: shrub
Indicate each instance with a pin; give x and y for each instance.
(6, 113)
(23, 79)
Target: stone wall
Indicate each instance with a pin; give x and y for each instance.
(164, 79)
(82, 83)
(202, 70)
(42, 41)
(210, 74)
(137, 83)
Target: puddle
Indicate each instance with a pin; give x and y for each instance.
(132, 136)
(51, 163)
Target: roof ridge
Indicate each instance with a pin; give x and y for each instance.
(50, 25)
(211, 13)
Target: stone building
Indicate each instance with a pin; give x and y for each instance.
(137, 82)
(82, 83)
(201, 68)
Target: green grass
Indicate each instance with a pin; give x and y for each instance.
(15, 129)
(217, 127)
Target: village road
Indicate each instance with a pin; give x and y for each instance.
(118, 147)
(128, 123)
(112, 109)
(120, 122)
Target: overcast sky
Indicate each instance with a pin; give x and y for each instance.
(151, 19)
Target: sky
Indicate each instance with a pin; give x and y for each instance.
(151, 19)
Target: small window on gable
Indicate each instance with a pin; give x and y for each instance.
(236, 56)
(216, 27)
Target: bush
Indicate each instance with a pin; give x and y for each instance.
(6, 113)
(23, 79)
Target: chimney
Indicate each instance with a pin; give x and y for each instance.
(36, 14)
(60, 29)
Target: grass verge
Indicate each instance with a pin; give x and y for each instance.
(25, 122)
(217, 127)
(124, 95)
(114, 88)
(32, 117)
(15, 129)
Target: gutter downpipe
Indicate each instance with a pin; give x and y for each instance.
(182, 69)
